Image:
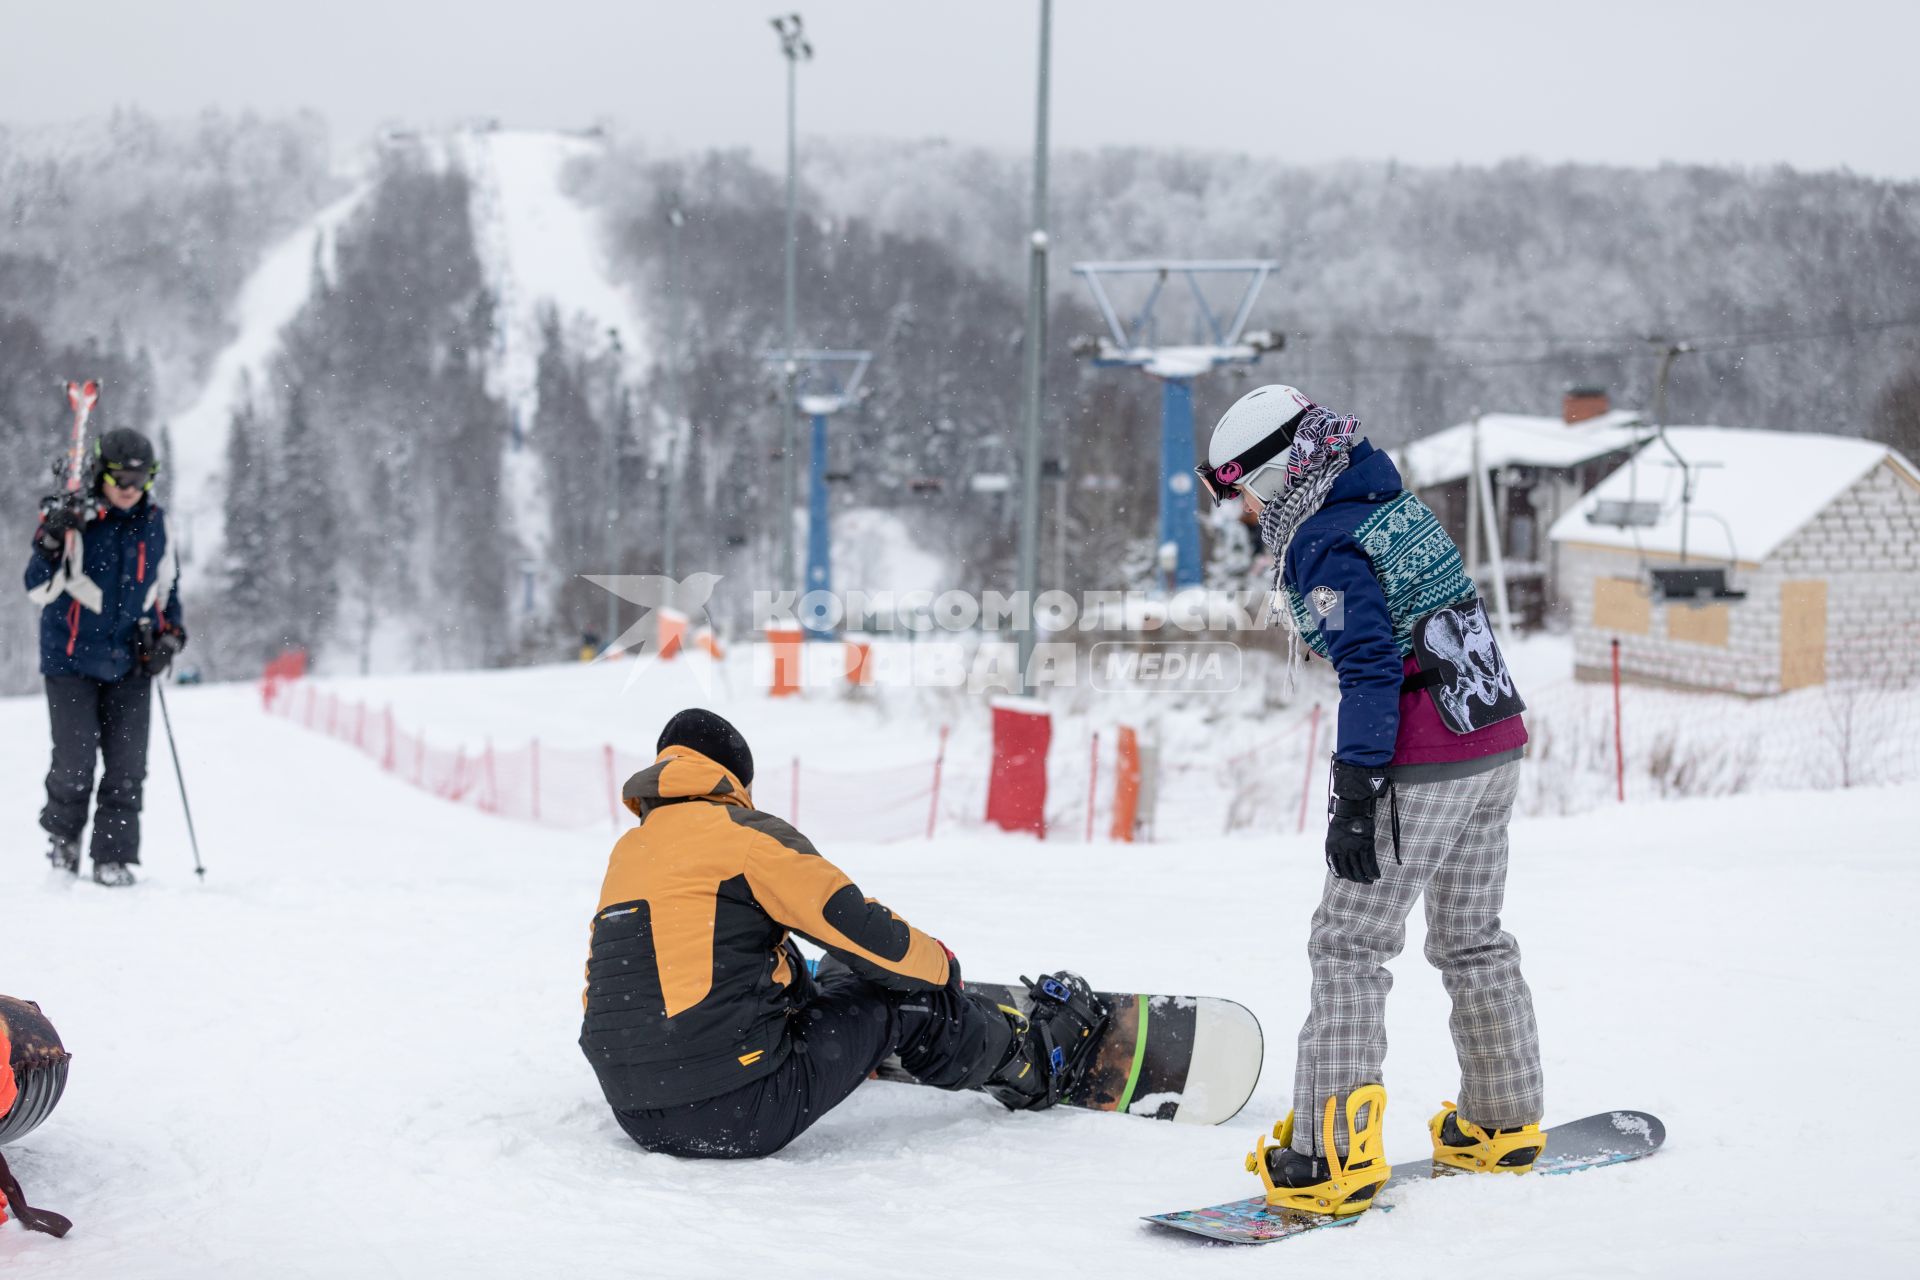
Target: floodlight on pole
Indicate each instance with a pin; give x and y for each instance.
(824, 383)
(795, 48)
(1135, 341)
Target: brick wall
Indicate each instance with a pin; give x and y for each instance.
(1865, 546)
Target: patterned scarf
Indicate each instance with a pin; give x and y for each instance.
(1318, 456)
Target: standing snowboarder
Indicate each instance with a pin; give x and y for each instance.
(707, 1033)
(1425, 770)
(102, 565)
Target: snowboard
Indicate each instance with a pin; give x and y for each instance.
(1189, 1059)
(1611, 1137)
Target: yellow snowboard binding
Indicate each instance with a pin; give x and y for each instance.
(1459, 1143)
(1327, 1184)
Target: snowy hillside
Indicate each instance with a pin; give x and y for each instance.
(350, 1051)
(271, 297)
(541, 251)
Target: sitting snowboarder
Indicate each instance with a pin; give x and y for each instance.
(707, 1033)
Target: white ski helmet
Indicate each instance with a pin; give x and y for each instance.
(1250, 443)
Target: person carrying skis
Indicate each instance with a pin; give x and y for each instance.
(1424, 774)
(103, 571)
(702, 1023)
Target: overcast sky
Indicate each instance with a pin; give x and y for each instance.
(1816, 85)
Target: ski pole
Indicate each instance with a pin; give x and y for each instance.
(160, 692)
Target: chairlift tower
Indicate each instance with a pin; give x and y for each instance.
(824, 383)
(1135, 341)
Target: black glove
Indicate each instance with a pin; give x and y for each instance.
(156, 648)
(1350, 821)
(955, 983)
(57, 518)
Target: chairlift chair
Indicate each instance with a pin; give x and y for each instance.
(1691, 585)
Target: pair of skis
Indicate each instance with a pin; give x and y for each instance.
(71, 575)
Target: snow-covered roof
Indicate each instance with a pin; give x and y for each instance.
(1752, 490)
(1513, 440)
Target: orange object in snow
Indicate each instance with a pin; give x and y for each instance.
(785, 643)
(859, 663)
(671, 631)
(1126, 786)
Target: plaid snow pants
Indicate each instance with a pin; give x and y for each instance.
(1453, 847)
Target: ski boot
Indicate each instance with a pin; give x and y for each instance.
(1459, 1143)
(64, 854)
(1327, 1184)
(114, 875)
(1053, 1046)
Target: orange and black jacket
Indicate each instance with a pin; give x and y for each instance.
(691, 977)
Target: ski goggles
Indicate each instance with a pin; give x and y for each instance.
(1222, 482)
(130, 477)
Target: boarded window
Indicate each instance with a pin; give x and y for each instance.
(1803, 634)
(1698, 624)
(1621, 605)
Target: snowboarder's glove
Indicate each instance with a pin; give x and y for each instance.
(1356, 790)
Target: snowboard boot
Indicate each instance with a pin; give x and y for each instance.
(64, 854)
(1459, 1143)
(1327, 1184)
(114, 875)
(1053, 1046)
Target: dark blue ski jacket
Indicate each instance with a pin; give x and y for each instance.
(1359, 637)
(1360, 572)
(128, 555)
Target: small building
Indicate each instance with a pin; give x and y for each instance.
(1537, 467)
(1752, 562)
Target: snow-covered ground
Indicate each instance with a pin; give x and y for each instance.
(350, 1051)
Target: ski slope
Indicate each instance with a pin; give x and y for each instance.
(540, 248)
(269, 300)
(350, 1051)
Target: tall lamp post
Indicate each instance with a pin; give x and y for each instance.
(1036, 355)
(795, 47)
(677, 425)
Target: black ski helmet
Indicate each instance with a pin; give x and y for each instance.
(124, 451)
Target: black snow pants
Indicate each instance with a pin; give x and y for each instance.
(108, 719)
(844, 1030)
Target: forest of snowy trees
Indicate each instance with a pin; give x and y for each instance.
(372, 457)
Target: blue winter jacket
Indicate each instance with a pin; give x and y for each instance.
(1358, 630)
(128, 556)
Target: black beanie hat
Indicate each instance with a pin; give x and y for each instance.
(713, 738)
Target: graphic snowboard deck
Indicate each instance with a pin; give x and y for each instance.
(1189, 1059)
(1610, 1137)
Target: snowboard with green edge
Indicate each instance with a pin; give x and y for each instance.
(1189, 1059)
(1608, 1138)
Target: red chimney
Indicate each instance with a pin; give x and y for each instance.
(1582, 403)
